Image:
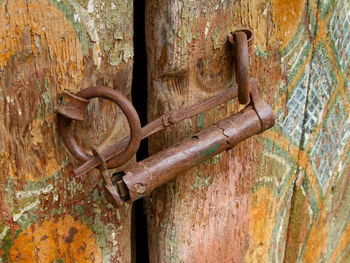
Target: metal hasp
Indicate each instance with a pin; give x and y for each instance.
(139, 179)
(143, 177)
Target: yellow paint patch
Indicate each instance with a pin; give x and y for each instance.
(262, 217)
(67, 239)
(48, 30)
(52, 166)
(37, 137)
(317, 242)
(286, 16)
(29, 177)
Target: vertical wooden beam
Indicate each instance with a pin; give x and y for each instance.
(280, 196)
(224, 210)
(49, 46)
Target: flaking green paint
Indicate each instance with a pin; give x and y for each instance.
(121, 51)
(188, 128)
(260, 52)
(171, 244)
(200, 121)
(188, 27)
(214, 160)
(339, 223)
(47, 95)
(215, 38)
(67, 9)
(202, 182)
(6, 245)
(110, 18)
(271, 147)
(59, 260)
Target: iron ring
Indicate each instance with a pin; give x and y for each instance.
(65, 126)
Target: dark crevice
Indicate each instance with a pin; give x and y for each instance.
(299, 173)
(139, 99)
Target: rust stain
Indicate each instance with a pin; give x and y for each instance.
(70, 236)
(37, 136)
(65, 239)
(162, 59)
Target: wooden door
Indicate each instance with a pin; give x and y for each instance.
(49, 46)
(282, 195)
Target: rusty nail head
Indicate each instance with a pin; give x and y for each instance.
(140, 188)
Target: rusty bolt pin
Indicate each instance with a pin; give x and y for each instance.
(115, 155)
(241, 40)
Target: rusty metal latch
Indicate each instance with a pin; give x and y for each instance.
(139, 179)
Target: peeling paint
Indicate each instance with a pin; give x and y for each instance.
(202, 182)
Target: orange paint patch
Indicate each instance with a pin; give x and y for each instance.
(48, 30)
(344, 240)
(262, 217)
(286, 16)
(67, 239)
(317, 242)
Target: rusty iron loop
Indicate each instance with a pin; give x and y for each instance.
(242, 41)
(242, 66)
(250, 40)
(123, 156)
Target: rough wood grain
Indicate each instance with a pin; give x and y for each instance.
(274, 198)
(46, 47)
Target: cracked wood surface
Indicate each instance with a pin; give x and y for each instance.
(47, 47)
(280, 196)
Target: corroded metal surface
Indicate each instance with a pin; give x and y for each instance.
(159, 124)
(143, 177)
(71, 106)
(242, 66)
(65, 124)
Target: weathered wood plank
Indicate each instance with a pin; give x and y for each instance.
(270, 198)
(225, 209)
(46, 47)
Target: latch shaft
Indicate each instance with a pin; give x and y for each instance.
(143, 177)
